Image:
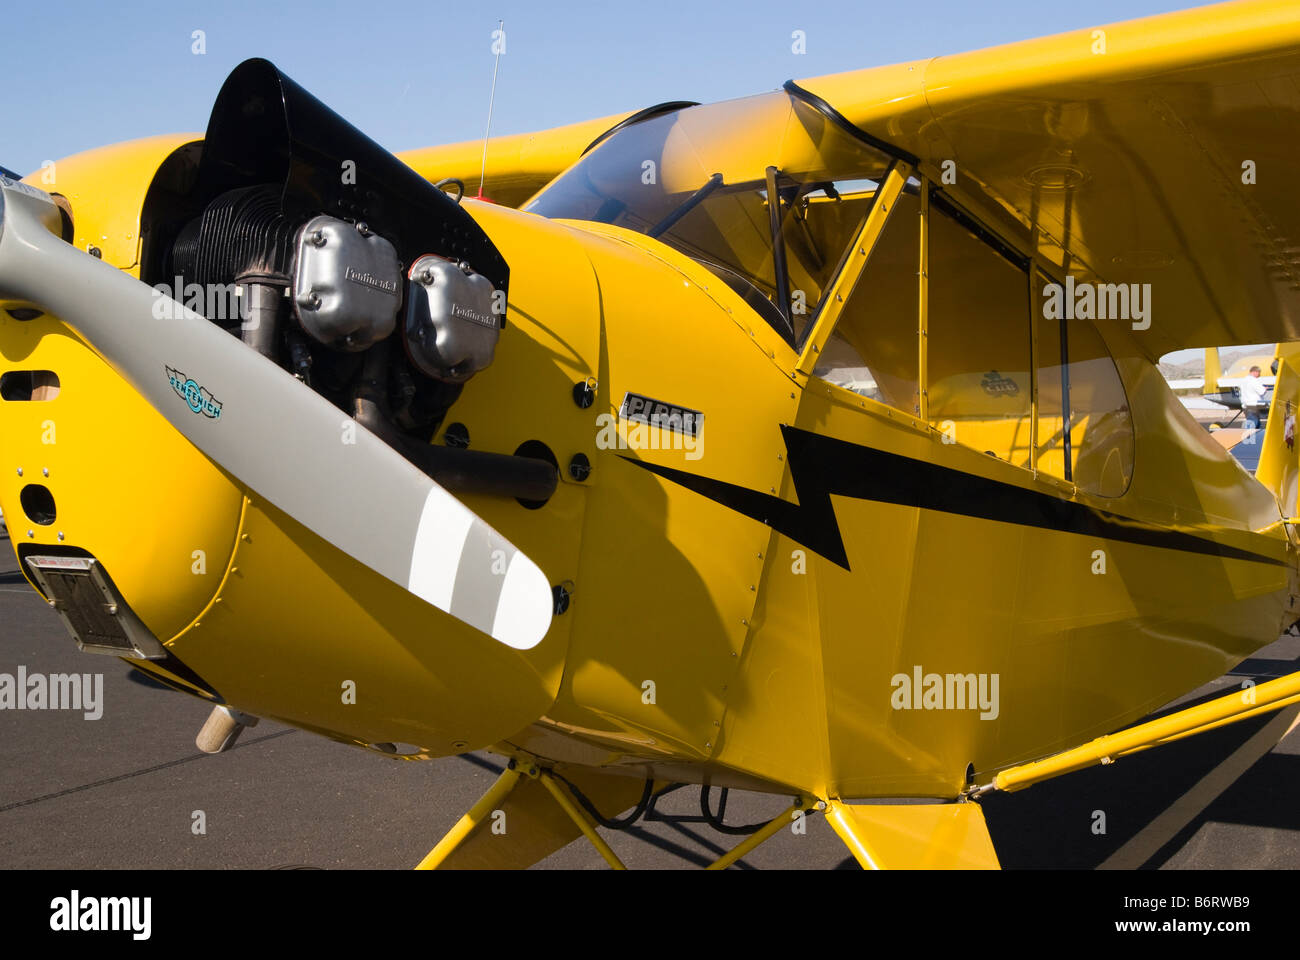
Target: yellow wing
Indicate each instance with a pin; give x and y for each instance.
(518, 166)
(1159, 151)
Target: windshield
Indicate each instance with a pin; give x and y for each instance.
(701, 179)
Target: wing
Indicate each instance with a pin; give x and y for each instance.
(518, 166)
(1158, 151)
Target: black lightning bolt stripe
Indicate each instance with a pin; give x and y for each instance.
(821, 466)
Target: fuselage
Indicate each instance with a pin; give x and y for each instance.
(809, 580)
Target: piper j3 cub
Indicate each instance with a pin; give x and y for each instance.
(732, 446)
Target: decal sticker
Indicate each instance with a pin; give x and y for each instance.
(196, 397)
(666, 416)
(996, 385)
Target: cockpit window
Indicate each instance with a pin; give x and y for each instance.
(703, 179)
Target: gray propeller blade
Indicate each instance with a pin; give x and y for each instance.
(284, 441)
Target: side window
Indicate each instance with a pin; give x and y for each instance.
(1100, 441)
(873, 350)
(979, 324)
(979, 343)
(819, 221)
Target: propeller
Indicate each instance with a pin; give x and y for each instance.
(273, 433)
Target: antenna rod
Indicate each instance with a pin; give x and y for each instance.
(501, 42)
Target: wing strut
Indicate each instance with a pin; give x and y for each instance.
(1240, 705)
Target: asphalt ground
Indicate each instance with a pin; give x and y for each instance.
(122, 791)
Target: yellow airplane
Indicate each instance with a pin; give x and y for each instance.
(809, 443)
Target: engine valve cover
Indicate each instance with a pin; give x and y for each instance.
(347, 284)
(452, 319)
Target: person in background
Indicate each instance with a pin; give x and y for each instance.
(1252, 400)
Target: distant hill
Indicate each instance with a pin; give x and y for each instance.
(1196, 367)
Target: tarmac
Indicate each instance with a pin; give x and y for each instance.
(122, 791)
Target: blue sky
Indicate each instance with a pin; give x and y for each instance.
(81, 74)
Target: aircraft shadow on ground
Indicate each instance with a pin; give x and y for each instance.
(1056, 824)
(144, 680)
